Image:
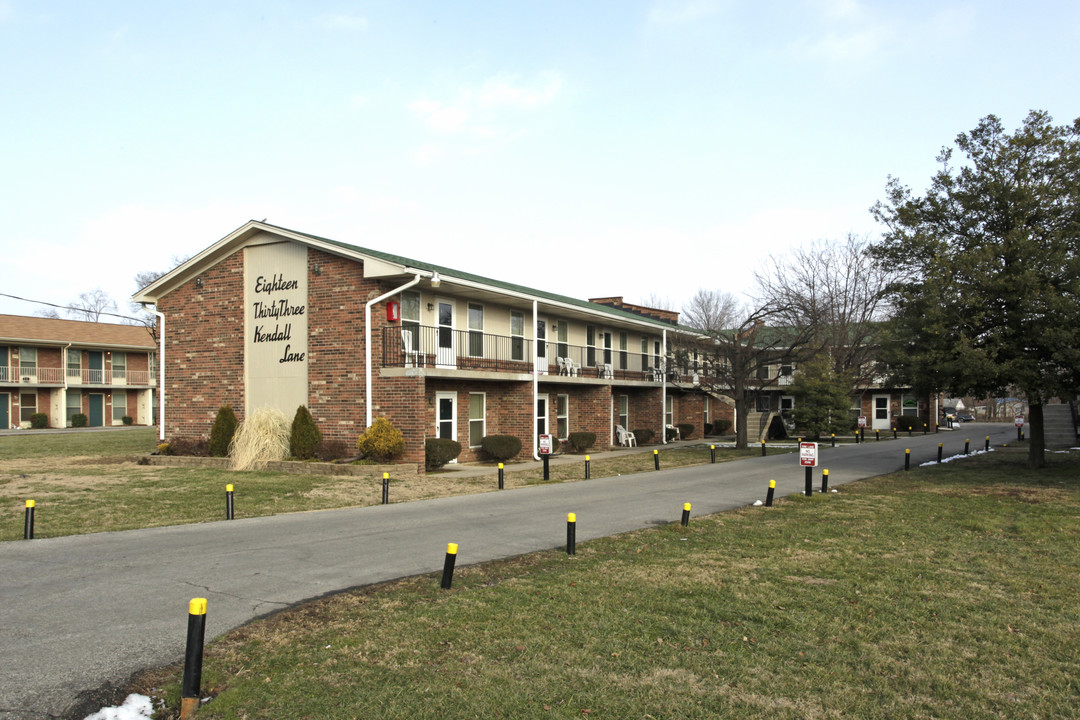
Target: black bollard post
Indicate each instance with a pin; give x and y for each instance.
(967, 445)
(656, 459)
(825, 480)
(987, 448)
(939, 453)
(769, 496)
(386, 488)
(547, 467)
(1019, 434)
(588, 473)
(571, 534)
(448, 566)
(500, 476)
(856, 436)
(834, 439)
(230, 503)
(712, 454)
(907, 459)
(924, 426)
(685, 514)
(862, 434)
(28, 523)
(877, 435)
(809, 489)
(894, 433)
(762, 448)
(193, 658)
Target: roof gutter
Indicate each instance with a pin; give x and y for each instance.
(367, 340)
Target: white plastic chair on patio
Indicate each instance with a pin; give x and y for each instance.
(412, 355)
(625, 437)
(574, 367)
(564, 368)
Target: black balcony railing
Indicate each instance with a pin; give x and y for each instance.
(436, 347)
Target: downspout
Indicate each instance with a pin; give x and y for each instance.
(536, 385)
(64, 360)
(663, 388)
(367, 340)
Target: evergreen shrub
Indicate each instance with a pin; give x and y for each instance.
(222, 432)
(304, 436)
(721, 426)
(685, 430)
(581, 441)
(39, 421)
(127, 420)
(79, 420)
(439, 451)
(501, 448)
(644, 436)
(382, 441)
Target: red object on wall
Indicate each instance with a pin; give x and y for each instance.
(393, 311)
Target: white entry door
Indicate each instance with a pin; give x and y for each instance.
(542, 415)
(446, 415)
(541, 346)
(446, 339)
(881, 420)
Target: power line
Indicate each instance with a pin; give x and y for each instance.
(73, 309)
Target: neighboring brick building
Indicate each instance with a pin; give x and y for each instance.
(66, 367)
(274, 317)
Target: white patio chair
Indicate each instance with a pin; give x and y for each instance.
(678, 435)
(564, 369)
(412, 355)
(574, 366)
(625, 437)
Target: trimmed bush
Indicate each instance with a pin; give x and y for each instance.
(581, 441)
(721, 426)
(501, 448)
(79, 420)
(382, 441)
(908, 423)
(164, 449)
(127, 420)
(39, 421)
(644, 436)
(222, 432)
(439, 451)
(304, 436)
(685, 430)
(261, 438)
(194, 447)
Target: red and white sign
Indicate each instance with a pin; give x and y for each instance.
(545, 445)
(862, 421)
(808, 454)
(1018, 421)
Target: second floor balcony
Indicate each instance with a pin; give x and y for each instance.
(34, 375)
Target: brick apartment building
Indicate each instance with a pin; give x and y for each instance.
(61, 368)
(274, 317)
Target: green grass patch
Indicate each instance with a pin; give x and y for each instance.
(947, 592)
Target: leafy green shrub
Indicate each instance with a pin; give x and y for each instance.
(39, 421)
(439, 451)
(644, 436)
(304, 436)
(908, 422)
(79, 420)
(127, 420)
(221, 434)
(382, 441)
(685, 430)
(720, 427)
(262, 437)
(581, 441)
(501, 448)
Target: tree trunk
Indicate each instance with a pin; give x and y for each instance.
(739, 391)
(1037, 441)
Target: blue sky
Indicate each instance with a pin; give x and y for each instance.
(587, 148)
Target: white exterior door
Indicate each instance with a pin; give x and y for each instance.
(446, 342)
(542, 350)
(446, 415)
(542, 415)
(881, 419)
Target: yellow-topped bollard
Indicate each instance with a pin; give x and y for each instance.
(685, 514)
(28, 521)
(571, 533)
(193, 658)
(772, 491)
(448, 566)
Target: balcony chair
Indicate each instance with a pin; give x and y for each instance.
(625, 437)
(412, 357)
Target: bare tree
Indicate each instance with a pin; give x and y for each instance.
(144, 278)
(91, 305)
(834, 292)
(711, 311)
(50, 313)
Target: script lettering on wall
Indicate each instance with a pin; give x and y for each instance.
(275, 313)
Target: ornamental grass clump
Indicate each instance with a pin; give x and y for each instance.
(382, 441)
(223, 430)
(304, 437)
(261, 438)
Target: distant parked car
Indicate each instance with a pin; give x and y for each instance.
(949, 412)
(965, 416)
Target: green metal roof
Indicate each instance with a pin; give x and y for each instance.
(500, 284)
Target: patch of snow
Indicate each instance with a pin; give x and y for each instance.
(758, 502)
(135, 707)
(961, 456)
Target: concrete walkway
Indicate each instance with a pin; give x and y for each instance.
(77, 613)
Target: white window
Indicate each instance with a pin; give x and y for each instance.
(410, 320)
(476, 330)
(706, 419)
(119, 366)
(606, 338)
(74, 365)
(623, 357)
(517, 335)
(477, 418)
(562, 331)
(669, 410)
(624, 411)
(27, 406)
(119, 406)
(644, 353)
(911, 405)
(787, 403)
(590, 346)
(28, 361)
(562, 416)
(74, 404)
